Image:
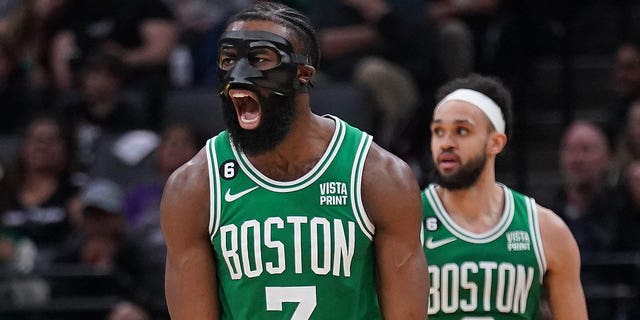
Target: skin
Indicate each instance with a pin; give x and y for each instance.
(390, 194)
(463, 129)
(585, 161)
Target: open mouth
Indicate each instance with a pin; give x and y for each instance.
(247, 108)
(448, 161)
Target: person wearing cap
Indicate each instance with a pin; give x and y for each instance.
(492, 251)
(104, 225)
(105, 242)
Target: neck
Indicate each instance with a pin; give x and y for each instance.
(477, 208)
(301, 149)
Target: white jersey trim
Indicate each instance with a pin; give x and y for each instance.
(214, 188)
(463, 234)
(361, 216)
(534, 226)
(290, 186)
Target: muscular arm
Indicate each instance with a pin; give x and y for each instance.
(392, 200)
(562, 279)
(190, 281)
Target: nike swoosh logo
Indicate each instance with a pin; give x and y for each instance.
(436, 244)
(228, 197)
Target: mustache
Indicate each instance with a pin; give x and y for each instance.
(238, 86)
(450, 153)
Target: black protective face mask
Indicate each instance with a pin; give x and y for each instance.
(259, 58)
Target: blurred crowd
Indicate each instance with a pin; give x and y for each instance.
(86, 142)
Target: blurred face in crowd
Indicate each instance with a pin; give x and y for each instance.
(585, 157)
(179, 144)
(100, 86)
(44, 148)
(626, 71)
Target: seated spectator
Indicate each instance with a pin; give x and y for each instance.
(381, 46)
(586, 165)
(625, 79)
(200, 24)
(628, 238)
(141, 33)
(584, 202)
(39, 193)
(460, 31)
(628, 148)
(101, 111)
(29, 29)
(105, 242)
(178, 143)
(625, 206)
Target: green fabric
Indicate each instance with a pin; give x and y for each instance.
(494, 275)
(293, 250)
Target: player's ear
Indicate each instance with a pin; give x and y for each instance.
(305, 73)
(497, 142)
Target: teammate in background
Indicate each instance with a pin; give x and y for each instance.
(289, 215)
(491, 250)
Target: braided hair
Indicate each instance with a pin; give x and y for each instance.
(288, 17)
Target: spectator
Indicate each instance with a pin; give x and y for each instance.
(460, 31)
(29, 29)
(102, 111)
(629, 208)
(179, 143)
(626, 84)
(628, 142)
(39, 197)
(625, 206)
(105, 242)
(586, 164)
(374, 44)
(584, 202)
(142, 208)
(200, 24)
(141, 33)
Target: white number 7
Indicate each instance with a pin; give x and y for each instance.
(305, 296)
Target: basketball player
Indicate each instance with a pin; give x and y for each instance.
(491, 250)
(289, 215)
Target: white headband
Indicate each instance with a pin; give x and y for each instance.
(480, 101)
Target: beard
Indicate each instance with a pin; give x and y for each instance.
(466, 176)
(278, 113)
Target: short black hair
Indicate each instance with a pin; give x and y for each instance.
(491, 87)
(288, 17)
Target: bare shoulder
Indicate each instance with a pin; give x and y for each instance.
(388, 182)
(557, 239)
(186, 193)
(384, 170)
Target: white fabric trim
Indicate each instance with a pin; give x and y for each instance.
(482, 102)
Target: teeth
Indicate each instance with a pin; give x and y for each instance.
(239, 95)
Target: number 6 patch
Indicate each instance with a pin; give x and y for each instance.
(228, 169)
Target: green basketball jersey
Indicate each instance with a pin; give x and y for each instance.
(494, 275)
(297, 249)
